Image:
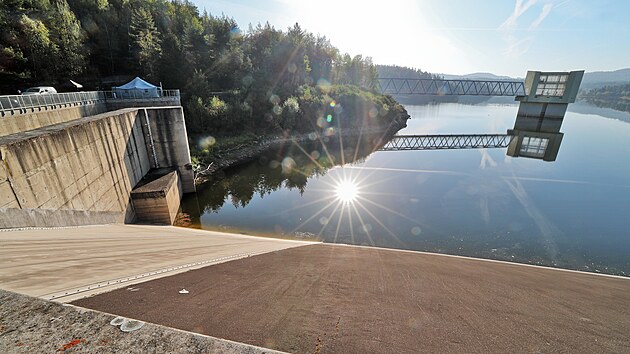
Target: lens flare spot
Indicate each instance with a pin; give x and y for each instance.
(346, 191)
(288, 164)
(323, 84)
(247, 80)
(333, 104)
(416, 230)
(329, 118)
(207, 142)
(274, 99)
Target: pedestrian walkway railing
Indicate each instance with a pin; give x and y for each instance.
(20, 104)
(142, 95)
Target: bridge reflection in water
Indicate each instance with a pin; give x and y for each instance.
(524, 140)
(445, 142)
(524, 143)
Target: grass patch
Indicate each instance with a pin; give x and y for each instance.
(205, 149)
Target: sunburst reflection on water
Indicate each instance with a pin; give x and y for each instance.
(440, 201)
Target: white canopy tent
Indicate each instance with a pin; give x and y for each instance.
(137, 88)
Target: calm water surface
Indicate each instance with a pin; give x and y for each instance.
(571, 213)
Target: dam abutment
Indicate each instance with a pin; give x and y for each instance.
(83, 171)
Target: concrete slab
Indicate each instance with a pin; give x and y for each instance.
(346, 299)
(157, 197)
(64, 264)
(31, 325)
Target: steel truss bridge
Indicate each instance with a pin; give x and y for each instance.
(439, 87)
(447, 142)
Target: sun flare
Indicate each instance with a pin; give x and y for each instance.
(346, 191)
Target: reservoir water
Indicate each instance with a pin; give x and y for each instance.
(570, 213)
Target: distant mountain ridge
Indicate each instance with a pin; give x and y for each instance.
(597, 79)
(395, 71)
(591, 80)
(403, 72)
(480, 76)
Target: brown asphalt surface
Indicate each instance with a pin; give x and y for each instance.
(340, 299)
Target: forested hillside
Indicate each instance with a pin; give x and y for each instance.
(403, 72)
(615, 97)
(598, 79)
(232, 81)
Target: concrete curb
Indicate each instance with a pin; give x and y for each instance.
(478, 259)
(32, 325)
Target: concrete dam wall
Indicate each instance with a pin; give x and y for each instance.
(22, 119)
(83, 171)
(35, 118)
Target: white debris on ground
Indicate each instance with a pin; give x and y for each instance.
(32, 325)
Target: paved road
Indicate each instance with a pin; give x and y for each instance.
(342, 299)
(51, 262)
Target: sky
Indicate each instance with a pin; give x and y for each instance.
(504, 37)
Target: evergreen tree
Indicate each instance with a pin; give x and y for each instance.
(69, 49)
(145, 42)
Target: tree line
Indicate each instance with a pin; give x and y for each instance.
(403, 72)
(260, 80)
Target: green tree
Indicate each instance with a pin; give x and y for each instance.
(38, 46)
(145, 42)
(40, 40)
(356, 71)
(66, 34)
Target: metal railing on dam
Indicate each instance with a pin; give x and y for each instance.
(19, 104)
(13, 104)
(140, 95)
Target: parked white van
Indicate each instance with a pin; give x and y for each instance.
(39, 90)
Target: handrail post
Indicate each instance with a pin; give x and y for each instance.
(11, 104)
